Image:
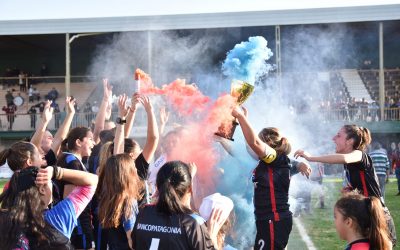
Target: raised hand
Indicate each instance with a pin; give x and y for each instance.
(122, 107)
(135, 101)
(302, 153)
(215, 223)
(145, 101)
(237, 111)
(304, 169)
(70, 105)
(47, 112)
(164, 116)
(107, 90)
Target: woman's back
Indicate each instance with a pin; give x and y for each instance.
(155, 230)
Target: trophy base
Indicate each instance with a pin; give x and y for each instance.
(223, 136)
(228, 135)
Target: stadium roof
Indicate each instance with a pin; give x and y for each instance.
(76, 16)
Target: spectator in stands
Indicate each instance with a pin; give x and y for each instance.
(352, 108)
(21, 81)
(9, 98)
(30, 94)
(88, 113)
(56, 112)
(373, 111)
(10, 111)
(380, 162)
(52, 95)
(36, 94)
(396, 165)
(32, 111)
(390, 112)
(95, 107)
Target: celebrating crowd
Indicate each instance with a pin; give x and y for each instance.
(99, 189)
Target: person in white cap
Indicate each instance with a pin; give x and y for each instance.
(218, 201)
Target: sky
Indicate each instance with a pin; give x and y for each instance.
(50, 9)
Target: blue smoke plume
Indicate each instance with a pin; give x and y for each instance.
(247, 60)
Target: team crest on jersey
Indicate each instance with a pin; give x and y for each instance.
(253, 178)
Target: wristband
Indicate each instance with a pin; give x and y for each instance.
(55, 172)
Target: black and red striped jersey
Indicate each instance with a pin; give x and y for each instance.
(361, 176)
(271, 189)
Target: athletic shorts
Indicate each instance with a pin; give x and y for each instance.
(273, 235)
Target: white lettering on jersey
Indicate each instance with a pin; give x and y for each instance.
(159, 229)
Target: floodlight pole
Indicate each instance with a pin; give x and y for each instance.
(67, 66)
(381, 74)
(68, 42)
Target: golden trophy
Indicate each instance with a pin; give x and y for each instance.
(241, 91)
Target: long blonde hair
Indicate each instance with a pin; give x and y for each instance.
(121, 188)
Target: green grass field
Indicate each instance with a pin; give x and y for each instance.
(319, 224)
(2, 182)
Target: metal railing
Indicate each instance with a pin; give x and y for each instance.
(29, 122)
(28, 80)
(360, 114)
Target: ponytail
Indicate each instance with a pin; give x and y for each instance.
(365, 138)
(173, 183)
(77, 133)
(378, 231)
(369, 218)
(17, 155)
(360, 135)
(64, 145)
(284, 146)
(272, 137)
(3, 156)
